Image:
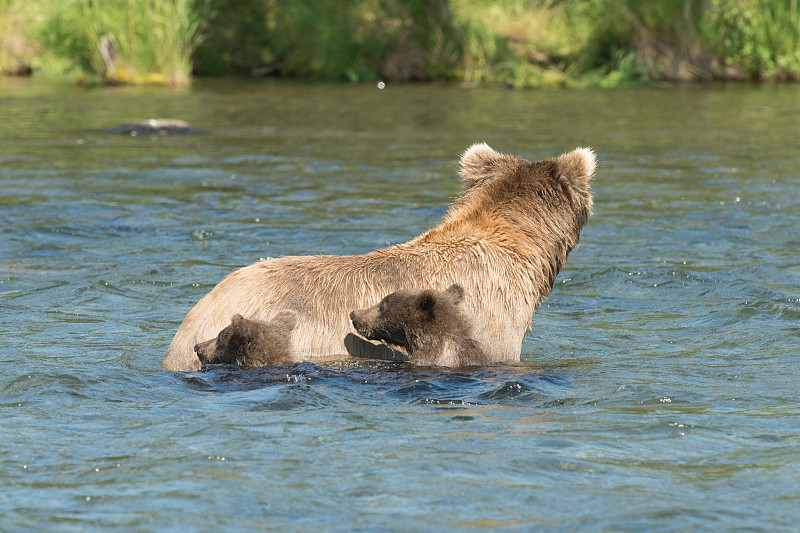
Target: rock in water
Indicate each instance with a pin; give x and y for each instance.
(156, 126)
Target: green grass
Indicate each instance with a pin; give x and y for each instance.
(756, 39)
(514, 43)
(18, 49)
(696, 39)
(155, 39)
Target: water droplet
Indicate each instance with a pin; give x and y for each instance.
(201, 234)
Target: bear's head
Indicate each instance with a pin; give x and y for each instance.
(408, 317)
(572, 172)
(250, 342)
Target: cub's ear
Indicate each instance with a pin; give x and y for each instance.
(455, 293)
(578, 167)
(286, 319)
(238, 320)
(476, 163)
(426, 301)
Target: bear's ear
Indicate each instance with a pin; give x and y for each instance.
(578, 167)
(237, 319)
(455, 293)
(476, 162)
(286, 319)
(426, 301)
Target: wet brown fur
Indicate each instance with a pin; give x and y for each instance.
(504, 240)
(251, 342)
(428, 324)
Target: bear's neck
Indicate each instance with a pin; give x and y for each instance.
(521, 236)
(436, 350)
(426, 351)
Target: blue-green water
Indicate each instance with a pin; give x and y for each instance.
(658, 389)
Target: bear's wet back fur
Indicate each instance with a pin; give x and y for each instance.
(251, 342)
(428, 324)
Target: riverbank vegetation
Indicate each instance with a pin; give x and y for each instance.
(512, 43)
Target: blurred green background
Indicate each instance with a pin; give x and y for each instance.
(512, 43)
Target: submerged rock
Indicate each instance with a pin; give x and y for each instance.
(156, 126)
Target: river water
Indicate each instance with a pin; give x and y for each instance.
(658, 384)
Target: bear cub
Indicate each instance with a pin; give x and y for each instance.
(428, 324)
(251, 342)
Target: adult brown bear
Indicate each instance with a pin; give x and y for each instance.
(504, 240)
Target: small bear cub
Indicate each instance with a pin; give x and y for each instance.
(251, 342)
(427, 323)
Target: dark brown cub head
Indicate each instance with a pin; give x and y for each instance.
(407, 316)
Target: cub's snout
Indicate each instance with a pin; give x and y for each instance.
(363, 322)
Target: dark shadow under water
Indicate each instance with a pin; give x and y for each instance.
(390, 382)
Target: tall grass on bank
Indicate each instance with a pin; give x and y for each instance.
(519, 44)
(695, 39)
(127, 41)
(328, 39)
(756, 39)
(18, 48)
(475, 41)
(514, 43)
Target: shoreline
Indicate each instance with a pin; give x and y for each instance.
(506, 43)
